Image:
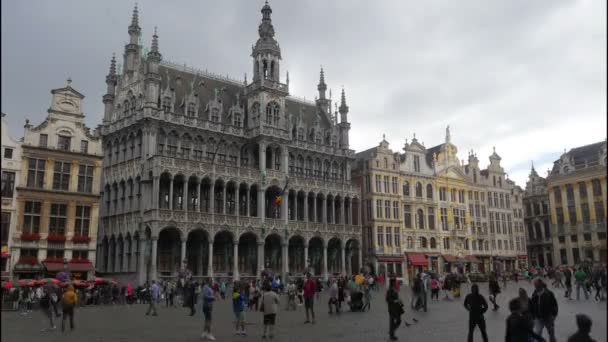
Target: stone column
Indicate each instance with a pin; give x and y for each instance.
(324, 210)
(342, 212)
(171, 193)
(295, 207)
(284, 259)
(261, 204)
(285, 207)
(202, 250)
(125, 265)
(197, 207)
(237, 195)
(185, 195)
(285, 157)
(225, 189)
(212, 198)
(260, 258)
(343, 257)
(314, 209)
(235, 268)
(262, 153)
(565, 207)
(248, 213)
(153, 261)
(210, 260)
(333, 211)
(305, 207)
(577, 204)
(360, 255)
(155, 191)
(306, 264)
(141, 271)
(200, 196)
(183, 254)
(591, 203)
(359, 210)
(325, 277)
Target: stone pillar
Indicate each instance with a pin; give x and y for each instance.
(342, 212)
(237, 195)
(171, 193)
(202, 250)
(155, 191)
(305, 207)
(285, 157)
(225, 189)
(565, 207)
(261, 211)
(183, 254)
(185, 195)
(200, 196)
(306, 263)
(591, 203)
(360, 255)
(295, 207)
(210, 260)
(314, 209)
(343, 258)
(153, 241)
(262, 153)
(248, 213)
(260, 258)
(235, 268)
(285, 207)
(333, 211)
(325, 277)
(197, 207)
(141, 271)
(212, 198)
(324, 210)
(284, 259)
(577, 204)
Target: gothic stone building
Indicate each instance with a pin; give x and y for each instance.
(194, 163)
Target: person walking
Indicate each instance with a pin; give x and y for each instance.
(208, 298)
(583, 323)
(568, 282)
(270, 308)
(477, 306)
(519, 328)
(333, 297)
(494, 291)
(154, 297)
(426, 288)
(395, 309)
(129, 293)
(434, 288)
(238, 307)
(544, 309)
(367, 297)
(46, 308)
(580, 278)
(310, 288)
(68, 303)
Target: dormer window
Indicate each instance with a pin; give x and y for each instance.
(416, 163)
(237, 120)
(64, 142)
(167, 104)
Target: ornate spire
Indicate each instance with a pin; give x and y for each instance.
(322, 87)
(134, 27)
(343, 106)
(155, 40)
(112, 72)
(447, 134)
(266, 30)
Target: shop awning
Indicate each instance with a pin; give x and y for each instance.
(472, 258)
(417, 259)
(449, 258)
(522, 257)
(390, 259)
(55, 266)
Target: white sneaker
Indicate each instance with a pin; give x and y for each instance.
(204, 336)
(244, 333)
(210, 337)
(236, 332)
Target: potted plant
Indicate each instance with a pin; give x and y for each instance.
(56, 238)
(30, 236)
(81, 239)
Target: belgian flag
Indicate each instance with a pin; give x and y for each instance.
(279, 199)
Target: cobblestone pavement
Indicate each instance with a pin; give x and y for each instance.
(444, 321)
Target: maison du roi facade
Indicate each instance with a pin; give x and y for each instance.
(565, 212)
(52, 178)
(194, 162)
(425, 209)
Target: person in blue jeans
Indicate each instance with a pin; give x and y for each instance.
(208, 299)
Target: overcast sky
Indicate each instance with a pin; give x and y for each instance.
(528, 77)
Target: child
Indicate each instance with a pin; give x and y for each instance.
(434, 288)
(238, 306)
(269, 308)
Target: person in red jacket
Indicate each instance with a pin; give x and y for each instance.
(310, 287)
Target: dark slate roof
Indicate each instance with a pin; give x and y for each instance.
(429, 153)
(205, 84)
(579, 155)
(367, 154)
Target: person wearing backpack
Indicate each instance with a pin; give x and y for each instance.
(46, 308)
(68, 302)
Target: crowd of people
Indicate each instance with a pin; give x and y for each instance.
(529, 316)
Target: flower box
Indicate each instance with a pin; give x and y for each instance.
(80, 261)
(54, 260)
(30, 236)
(56, 238)
(28, 260)
(81, 239)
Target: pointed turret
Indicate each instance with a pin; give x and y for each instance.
(154, 55)
(152, 77)
(132, 52)
(344, 124)
(322, 87)
(343, 108)
(134, 29)
(108, 98)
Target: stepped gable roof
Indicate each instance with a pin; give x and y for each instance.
(205, 85)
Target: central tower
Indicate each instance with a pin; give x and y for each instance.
(266, 94)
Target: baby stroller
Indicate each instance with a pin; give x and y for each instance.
(356, 301)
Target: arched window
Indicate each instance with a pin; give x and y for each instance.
(255, 112)
(429, 191)
(420, 219)
(238, 121)
(406, 189)
(423, 242)
(446, 243)
(418, 189)
(410, 242)
(433, 243)
(272, 114)
(191, 109)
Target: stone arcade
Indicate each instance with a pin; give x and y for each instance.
(194, 162)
